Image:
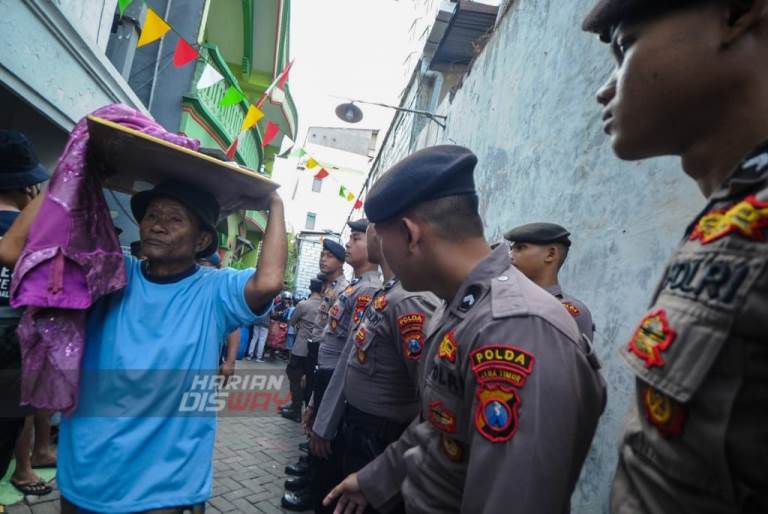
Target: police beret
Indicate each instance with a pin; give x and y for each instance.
(428, 174)
(360, 225)
(315, 285)
(607, 14)
(335, 248)
(322, 277)
(539, 233)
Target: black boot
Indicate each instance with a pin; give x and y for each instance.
(299, 501)
(299, 469)
(291, 414)
(304, 447)
(297, 484)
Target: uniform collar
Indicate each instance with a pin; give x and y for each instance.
(390, 283)
(369, 276)
(477, 283)
(555, 290)
(751, 171)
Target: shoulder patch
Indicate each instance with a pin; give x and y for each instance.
(652, 337)
(441, 417)
(411, 327)
(501, 363)
(747, 218)
(496, 417)
(380, 303)
(448, 347)
(666, 414)
(572, 309)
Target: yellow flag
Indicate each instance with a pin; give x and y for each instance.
(350, 197)
(311, 163)
(154, 28)
(251, 117)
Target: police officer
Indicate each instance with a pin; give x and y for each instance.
(303, 320)
(690, 81)
(379, 380)
(345, 312)
(539, 250)
(510, 393)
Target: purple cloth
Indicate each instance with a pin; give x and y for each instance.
(71, 259)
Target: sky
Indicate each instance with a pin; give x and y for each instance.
(354, 49)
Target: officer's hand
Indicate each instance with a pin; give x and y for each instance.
(351, 498)
(318, 446)
(306, 420)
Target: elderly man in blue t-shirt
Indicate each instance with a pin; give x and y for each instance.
(136, 442)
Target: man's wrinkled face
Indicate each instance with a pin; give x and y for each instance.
(356, 249)
(329, 264)
(170, 232)
(663, 93)
(529, 258)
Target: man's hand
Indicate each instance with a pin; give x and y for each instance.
(307, 419)
(351, 498)
(318, 446)
(227, 369)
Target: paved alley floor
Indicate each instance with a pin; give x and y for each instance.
(249, 460)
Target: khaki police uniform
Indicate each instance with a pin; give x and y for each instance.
(299, 364)
(696, 440)
(575, 308)
(510, 399)
(381, 356)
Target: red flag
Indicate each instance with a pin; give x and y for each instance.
(284, 76)
(320, 175)
(358, 204)
(184, 53)
(233, 148)
(270, 133)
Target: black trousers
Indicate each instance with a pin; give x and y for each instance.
(366, 437)
(325, 474)
(310, 364)
(297, 368)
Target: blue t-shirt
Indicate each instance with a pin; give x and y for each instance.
(129, 447)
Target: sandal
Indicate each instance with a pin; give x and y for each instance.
(46, 465)
(33, 488)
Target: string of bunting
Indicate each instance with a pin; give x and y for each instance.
(323, 173)
(155, 28)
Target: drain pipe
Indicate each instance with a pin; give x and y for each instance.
(437, 84)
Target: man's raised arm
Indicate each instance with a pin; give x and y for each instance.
(268, 279)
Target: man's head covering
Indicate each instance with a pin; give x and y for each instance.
(428, 174)
(19, 166)
(608, 14)
(200, 202)
(322, 277)
(360, 225)
(539, 233)
(335, 248)
(315, 285)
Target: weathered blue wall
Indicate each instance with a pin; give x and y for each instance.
(527, 109)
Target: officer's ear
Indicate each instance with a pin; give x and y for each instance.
(742, 16)
(551, 254)
(412, 232)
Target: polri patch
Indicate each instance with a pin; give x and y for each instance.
(497, 412)
(501, 363)
(360, 336)
(380, 303)
(572, 309)
(666, 414)
(360, 304)
(411, 328)
(748, 218)
(652, 337)
(448, 347)
(441, 417)
(361, 356)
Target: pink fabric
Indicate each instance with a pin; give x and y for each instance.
(71, 259)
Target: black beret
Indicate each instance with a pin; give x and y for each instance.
(335, 248)
(322, 277)
(608, 14)
(315, 285)
(539, 233)
(428, 174)
(360, 225)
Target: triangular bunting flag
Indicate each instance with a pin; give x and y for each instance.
(277, 96)
(298, 153)
(184, 53)
(233, 149)
(253, 115)
(350, 197)
(284, 76)
(122, 5)
(320, 175)
(358, 204)
(154, 28)
(311, 163)
(231, 97)
(269, 134)
(343, 192)
(209, 77)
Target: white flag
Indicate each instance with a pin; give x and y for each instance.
(209, 77)
(277, 96)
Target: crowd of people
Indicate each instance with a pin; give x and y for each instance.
(449, 373)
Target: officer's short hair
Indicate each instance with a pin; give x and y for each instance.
(454, 218)
(563, 254)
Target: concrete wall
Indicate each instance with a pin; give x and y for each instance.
(527, 109)
(92, 18)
